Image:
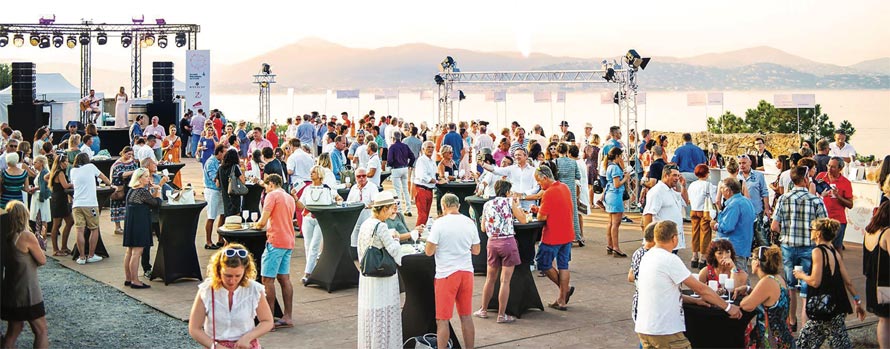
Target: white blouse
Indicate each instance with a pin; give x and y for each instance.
(231, 324)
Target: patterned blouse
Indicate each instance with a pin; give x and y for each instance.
(498, 214)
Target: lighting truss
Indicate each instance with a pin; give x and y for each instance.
(551, 77)
(264, 82)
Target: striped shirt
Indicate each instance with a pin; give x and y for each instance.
(795, 211)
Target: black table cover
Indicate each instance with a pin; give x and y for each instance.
(100, 246)
(523, 291)
(335, 269)
(418, 272)
(461, 189)
(255, 242)
(104, 165)
(711, 327)
(176, 257)
(171, 168)
(251, 201)
(343, 192)
(103, 196)
(480, 264)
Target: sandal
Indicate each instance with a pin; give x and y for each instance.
(66, 251)
(59, 253)
(505, 319)
(281, 324)
(556, 306)
(619, 254)
(483, 314)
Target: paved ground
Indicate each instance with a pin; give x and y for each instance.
(598, 316)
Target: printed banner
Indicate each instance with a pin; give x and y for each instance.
(392, 94)
(561, 97)
(783, 101)
(696, 99)
(347, 94)
(543, 97)
(197, 79)
(804, 100)
(715, 98)
(500, 96)
(379, 96)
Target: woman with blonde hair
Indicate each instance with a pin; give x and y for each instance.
(22, 299)
(143, 196)
(227, 302)
(315, 194)
(324, 160)
(73, 147)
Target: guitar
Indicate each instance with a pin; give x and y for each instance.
(84, 105)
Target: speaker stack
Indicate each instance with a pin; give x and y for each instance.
(24, 83)
(162, 82)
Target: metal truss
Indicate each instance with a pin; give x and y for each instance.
(264, 82)
(550, 77)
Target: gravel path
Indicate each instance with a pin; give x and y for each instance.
(83, 313)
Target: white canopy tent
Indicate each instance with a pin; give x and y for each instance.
(50, 87)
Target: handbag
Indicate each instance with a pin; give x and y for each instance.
(377, 262)
(426, 341)
(883, 293)
(317, 196)
(236, 186)
(597, 187)
(821, 303)
(347, 172)
(626, 195)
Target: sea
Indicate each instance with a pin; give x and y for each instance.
(867, 110)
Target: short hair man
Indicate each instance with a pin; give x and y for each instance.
(665, 201)
(822, 157)
(453, 240)
(838, 197)
(736, 221)
(215, 210)
(278, 209)
(841, 148)
(557, 236)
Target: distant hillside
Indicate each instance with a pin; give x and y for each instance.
(880, 65)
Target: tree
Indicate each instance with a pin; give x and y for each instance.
(766, 118)
(727, 123)
(5, 76)
(848, 129)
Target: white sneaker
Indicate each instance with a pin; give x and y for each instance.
(81, 261)
(94, 259)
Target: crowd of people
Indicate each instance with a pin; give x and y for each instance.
(737, 228)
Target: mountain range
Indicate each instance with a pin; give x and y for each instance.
(313, 65)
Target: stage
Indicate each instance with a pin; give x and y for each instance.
(113, 139)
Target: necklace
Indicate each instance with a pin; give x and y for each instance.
(315, 198)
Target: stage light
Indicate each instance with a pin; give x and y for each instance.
(180, 39)
(148, 40)
(58, 40)
(460, 95)
(448, 62)
(84, 39)
(44, 41)
(34, 39)
(72, 41)
(102, 39)
(4, 39)
(162, 41)
(634, 60)
(439, 80)
(610, 71)
(126, 39)
(18, 40)
(160, 21)
(267, 69)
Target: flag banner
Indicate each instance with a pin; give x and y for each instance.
(696, 99)
(392, 94)
(607, 98)
(715, 98)
(804, 100)
(379, 96)
(542, 97)
(783, 101)
(426, 95)
(197, 79)
(561, 97)
(489, 96)
(641, 98)
(454, 95)
(500, 96)
(347, 94)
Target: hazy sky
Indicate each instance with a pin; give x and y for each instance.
(821, 30)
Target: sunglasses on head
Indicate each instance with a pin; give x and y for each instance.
(232, 252)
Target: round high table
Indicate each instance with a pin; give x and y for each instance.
(335, 269)
(102, 195)
(176, 257)
(255, 242)
(172, 168)
(480, 264)
(459, 188)
(251, 201)
(104, 165)
(523, 292)
(711, 327)
(418, 272)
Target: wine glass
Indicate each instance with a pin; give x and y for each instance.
(253, 216)
(245, 214)
(461, 173)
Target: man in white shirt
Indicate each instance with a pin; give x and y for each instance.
(374, 164)
(85, 148)
(158, 131)
(143, 151)
(425, 170)
(363, 191)
(841, 148)
(665, 203)
(453, 240)
(90, 104)
(660, 322)
(360, 156)
(298, 165)
(483, 140)
(85, 206)
(521, 175)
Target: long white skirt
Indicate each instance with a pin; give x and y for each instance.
(379, 313)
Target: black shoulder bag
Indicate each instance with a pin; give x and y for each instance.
(377, 262)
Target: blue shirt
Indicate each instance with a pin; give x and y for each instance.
(688, 156)
(457, 144)
(96, 145)
(244, 145)
(337, 161)
(164, 188)
(756, 184)
(320, 132)
(211, 167)
(306, 133)
(609, 145)
(736, 224)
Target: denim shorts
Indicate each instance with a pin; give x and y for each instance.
(276, 261)
(793, 256)
(546, 254)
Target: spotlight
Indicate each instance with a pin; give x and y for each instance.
(148, 40)
(439, 80)
(448, 62)
(18, 40)
(102, 39)
(4, 39)
(460, 95)
(34, 39)
(610, 71)
(634, 60)
(267, 69)
(84, 39)
(126, 39)
(180, 39)
(72, 41)
(58, 40)
(44, 42)
(162, 41)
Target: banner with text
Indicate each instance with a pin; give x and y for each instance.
(197, 79)
(347, 94)
(792, 101)
(542, 96)
(641, 98)
(696, 99)
(715, 98)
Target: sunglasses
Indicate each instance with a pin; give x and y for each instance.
(361, 176)
(232, 252)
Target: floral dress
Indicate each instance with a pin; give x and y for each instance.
(567, 172)
(119, 207)
(779, 336)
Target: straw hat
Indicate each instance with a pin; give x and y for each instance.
(384, 198)
(232, 222)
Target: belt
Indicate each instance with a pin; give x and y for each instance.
(501, 237)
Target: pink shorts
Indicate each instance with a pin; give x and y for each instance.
(503, 253)
(456, 288)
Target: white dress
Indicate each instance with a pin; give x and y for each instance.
(232, 323)
(379, 311)
(584, 194)
(120, 111)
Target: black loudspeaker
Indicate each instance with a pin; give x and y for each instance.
(27, 118)
(24, 83)
(162, 82)
(166, 113)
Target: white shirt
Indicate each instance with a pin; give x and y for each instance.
(374, 162)
(698, 192)
(659, 309)
(291, 131)
(488, 179)
(523, 179)
(328, 147)
(364, 195)
(231, 325)
(85, 149)
(483, 141)
(454, 236)
(785, 180)
(388, 134)
(158, 131)
(330, 180)
(425, 170)
(665, 204)
(362, 153)
(300, 164)
(84, 180)
(846, 152)
(145, 152)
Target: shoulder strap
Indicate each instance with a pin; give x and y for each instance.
(213, 312)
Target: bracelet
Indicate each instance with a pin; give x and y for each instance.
(728, 307)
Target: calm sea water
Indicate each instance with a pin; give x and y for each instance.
(868, 110)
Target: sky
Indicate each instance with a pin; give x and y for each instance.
(824, 31)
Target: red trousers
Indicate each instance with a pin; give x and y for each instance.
(423, 199)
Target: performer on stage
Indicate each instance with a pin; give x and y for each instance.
(90, 104)
(120, 109)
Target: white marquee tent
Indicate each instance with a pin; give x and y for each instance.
(50, 87)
